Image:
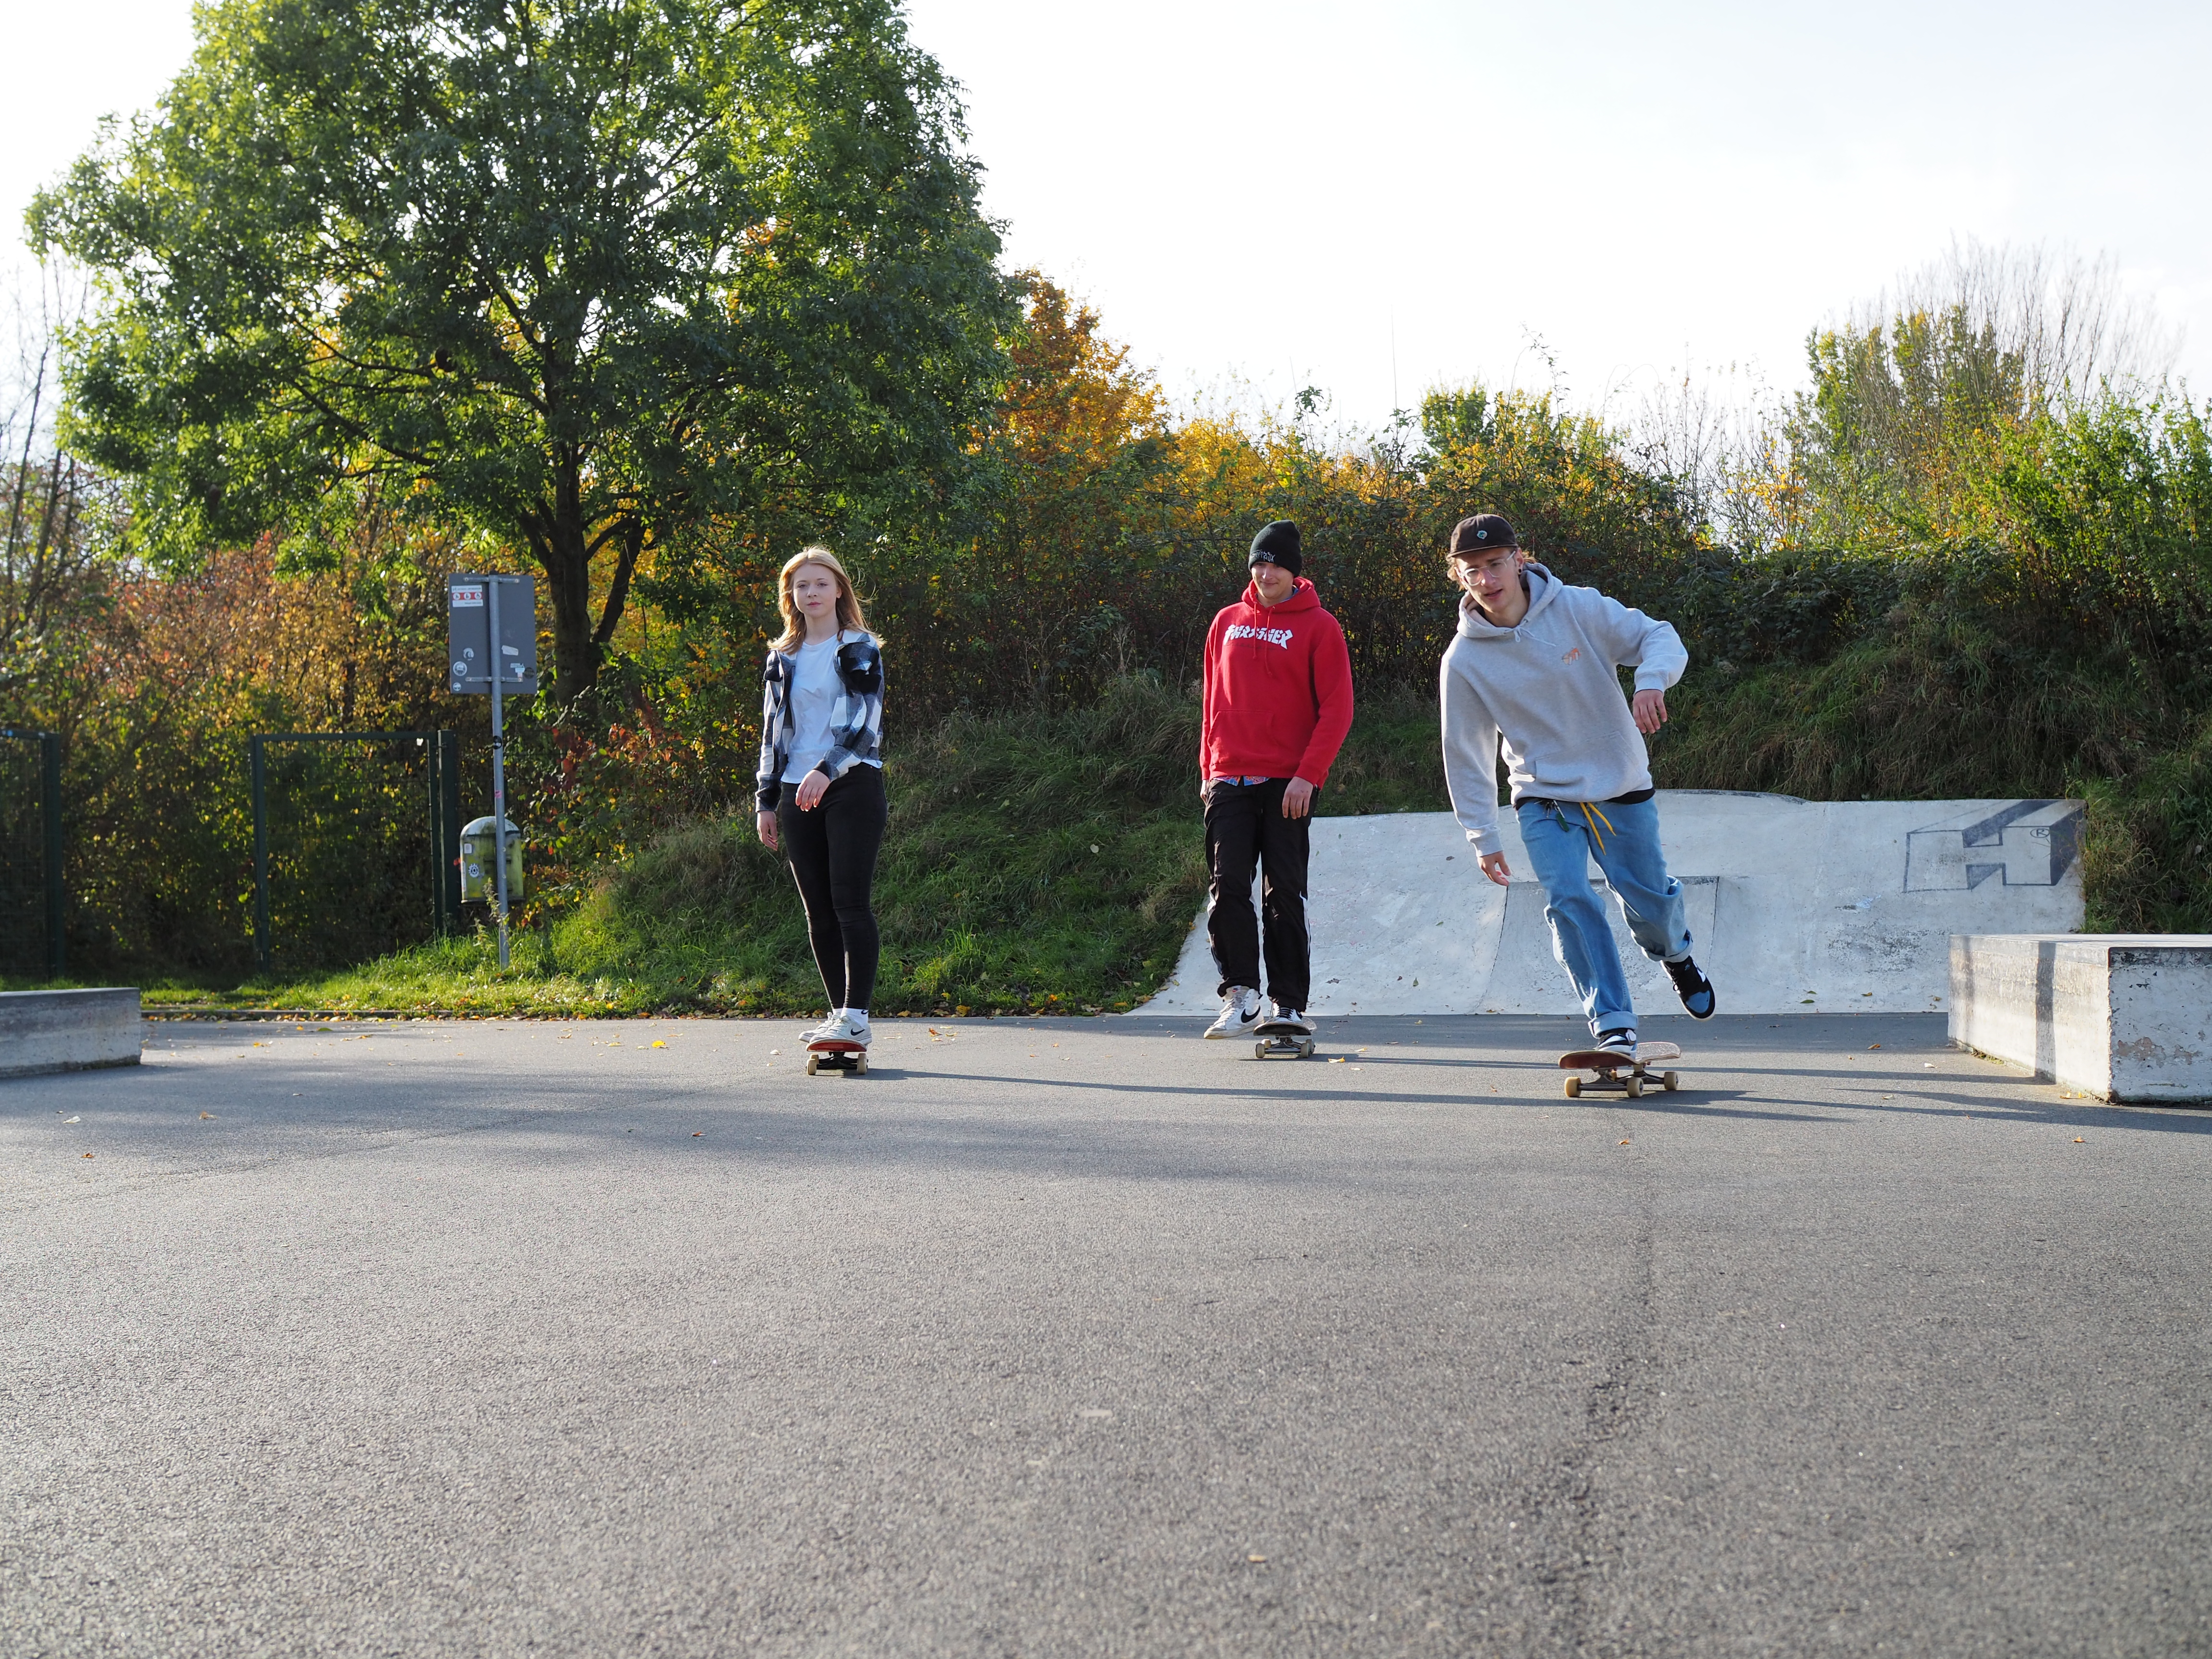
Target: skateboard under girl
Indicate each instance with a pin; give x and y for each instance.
(851, 1057)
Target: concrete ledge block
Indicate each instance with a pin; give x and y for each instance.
(67, 1030)
(2124, 1016)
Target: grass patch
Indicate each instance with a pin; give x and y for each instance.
(1035, 864)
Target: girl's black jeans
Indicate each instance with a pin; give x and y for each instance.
(832, 851)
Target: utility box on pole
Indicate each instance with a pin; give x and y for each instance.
(492, 630)
(479, 854)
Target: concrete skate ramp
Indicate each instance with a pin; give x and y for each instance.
(1794, 907)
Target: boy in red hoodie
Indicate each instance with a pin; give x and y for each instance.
(1277, 704)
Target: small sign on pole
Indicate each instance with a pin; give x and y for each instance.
(469, 652)
(491, 626)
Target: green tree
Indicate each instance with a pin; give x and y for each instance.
(577, 274)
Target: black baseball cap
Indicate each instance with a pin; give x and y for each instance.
(1486, 533)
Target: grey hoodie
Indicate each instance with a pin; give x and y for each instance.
(1552, 686)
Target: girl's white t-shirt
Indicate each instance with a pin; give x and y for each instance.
(813, 701)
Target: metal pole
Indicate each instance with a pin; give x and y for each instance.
(260, 853)
(50, 753)
(498, 760)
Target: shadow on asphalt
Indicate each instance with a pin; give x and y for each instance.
(1348, 1097)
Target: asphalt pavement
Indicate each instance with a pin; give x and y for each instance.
(1074, 1337)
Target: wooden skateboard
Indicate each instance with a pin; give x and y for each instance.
(1278, 1039)
(851, 1057)
(1624, 1073)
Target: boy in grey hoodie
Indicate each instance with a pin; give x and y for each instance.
(1537, 663)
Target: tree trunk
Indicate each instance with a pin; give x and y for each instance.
(576, 653)
(566, 556)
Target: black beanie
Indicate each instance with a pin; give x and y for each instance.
(1277, 545)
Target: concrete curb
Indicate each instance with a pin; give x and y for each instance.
(46, 1031)
(2124, 1016)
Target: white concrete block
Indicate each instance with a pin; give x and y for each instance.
(67, 1030)
(2124, 1016)
(1794, 907)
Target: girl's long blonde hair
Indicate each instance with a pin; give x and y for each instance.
(795, 623)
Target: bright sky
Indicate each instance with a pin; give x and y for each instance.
(1270, 194)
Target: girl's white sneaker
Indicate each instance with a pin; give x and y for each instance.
(842, 1027)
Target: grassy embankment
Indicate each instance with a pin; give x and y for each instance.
(1053, 863)
(1034, 863)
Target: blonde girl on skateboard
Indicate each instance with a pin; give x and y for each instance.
(1535, 665)
(819, 787)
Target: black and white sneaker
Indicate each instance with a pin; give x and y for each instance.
(1240, 1013)
(1290, 1020)
(1621, 1042)
(1694, 988)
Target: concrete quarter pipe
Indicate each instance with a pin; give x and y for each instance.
(1794, 907)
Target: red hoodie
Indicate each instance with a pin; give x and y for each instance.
(1278, 690)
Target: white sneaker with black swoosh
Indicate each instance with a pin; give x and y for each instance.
(1240, 1012)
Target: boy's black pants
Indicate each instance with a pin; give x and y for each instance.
(832, 851)
(1244, 825)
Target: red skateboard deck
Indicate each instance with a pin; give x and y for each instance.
(838, 1057)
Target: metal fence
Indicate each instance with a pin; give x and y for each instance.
(356, 844)
(32, 939)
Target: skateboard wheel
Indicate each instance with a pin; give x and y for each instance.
(1670, 1082)
(1305, 1050)
(860, 1067)
(1259, 1051)
(1574, 1087)
(1634, 1085)
(813, 1064)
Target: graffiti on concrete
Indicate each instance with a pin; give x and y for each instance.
(2027, 843)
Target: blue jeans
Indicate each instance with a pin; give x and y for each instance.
(1561, 843)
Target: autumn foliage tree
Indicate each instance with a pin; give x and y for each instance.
(575, 274)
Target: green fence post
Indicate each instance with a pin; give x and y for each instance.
(50, 756)
(260, 855)
(449, 745)
(433, 796)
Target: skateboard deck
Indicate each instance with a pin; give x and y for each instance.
(1278, 1039)
(836, 1057)
(1626, 1072)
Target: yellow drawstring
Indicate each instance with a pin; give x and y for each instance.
(1600, 818)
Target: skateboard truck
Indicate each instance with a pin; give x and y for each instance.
(849, 1057)
(1275, 1039)
(1626, 1072)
